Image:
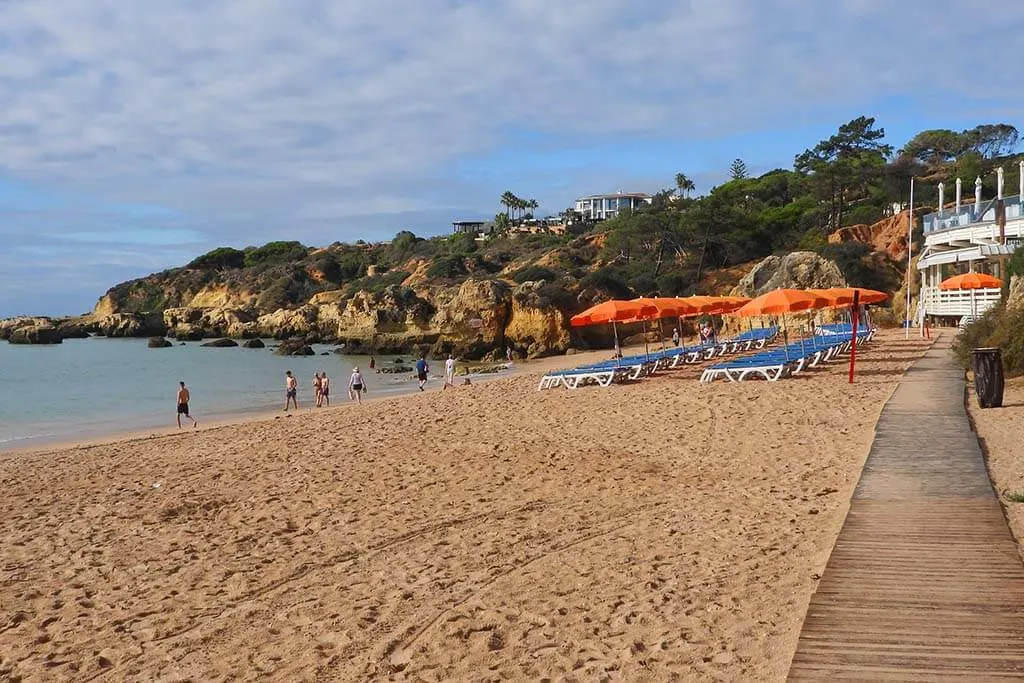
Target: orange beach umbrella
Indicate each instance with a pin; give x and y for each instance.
(782, 301)
(663, 307)
(614, 311)
(971, 281)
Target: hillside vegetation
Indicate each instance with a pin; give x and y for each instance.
(671, 247)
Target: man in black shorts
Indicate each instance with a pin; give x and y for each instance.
(183, 397)
(421, 370)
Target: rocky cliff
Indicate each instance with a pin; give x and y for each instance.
(888, 235)
(799, 270)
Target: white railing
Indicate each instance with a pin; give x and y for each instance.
(950, 219)
(959, 302)
(976, 234)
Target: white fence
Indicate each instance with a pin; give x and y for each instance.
(959, 302)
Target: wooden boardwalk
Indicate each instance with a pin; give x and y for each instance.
(925, 581)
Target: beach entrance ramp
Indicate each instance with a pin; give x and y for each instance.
(925, 581)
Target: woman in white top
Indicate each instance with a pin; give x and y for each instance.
(449, 372)
(356, 386)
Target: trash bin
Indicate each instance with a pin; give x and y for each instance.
(988, 377)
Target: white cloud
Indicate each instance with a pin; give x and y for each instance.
(257, 116)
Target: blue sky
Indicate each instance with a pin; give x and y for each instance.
(134, 136)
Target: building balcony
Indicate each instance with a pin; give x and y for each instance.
(958, 303)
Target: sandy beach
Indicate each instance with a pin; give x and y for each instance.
(663, 530)
(1001, 432)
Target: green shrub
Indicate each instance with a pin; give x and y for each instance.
(327, 264)
(674, 283)
(550, 295)
(462, 243)
(283, 292)
(273, 253)
(218, 259)
(609, 280)
(447, 267)
(998, 327)
(377, 283)
(533, 273)
(859, 265)
(644, 285)
(865, 214)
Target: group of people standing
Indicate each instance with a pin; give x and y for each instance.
(322, 387)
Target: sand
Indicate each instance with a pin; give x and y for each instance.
(655, 531)
(1001, 433)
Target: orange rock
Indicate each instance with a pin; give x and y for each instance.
(888, 235)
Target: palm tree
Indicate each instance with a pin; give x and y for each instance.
(520, 206)
(684, 184)
(507, 200)
(532, 206)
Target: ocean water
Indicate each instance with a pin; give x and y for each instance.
(90, 387)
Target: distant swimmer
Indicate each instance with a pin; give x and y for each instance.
(421, 370)
(356, 386)
(449, 372)
(325, 389)
(291, 391)
(183, 398)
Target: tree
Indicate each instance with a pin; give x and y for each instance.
(532, 206)
(737, 169)
(502, 223)
(219, 258)
(992, 140)
(507, 200)
(684, 184)
(843, 166)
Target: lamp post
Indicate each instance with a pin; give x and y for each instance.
(910, 238)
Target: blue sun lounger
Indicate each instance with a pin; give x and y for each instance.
(780, 362)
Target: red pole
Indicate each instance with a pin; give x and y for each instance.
(853, 341)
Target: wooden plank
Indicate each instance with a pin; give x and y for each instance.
(925, 581)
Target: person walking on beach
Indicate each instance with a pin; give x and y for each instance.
(356, 386)
(508, 353)
(449, 372)
(291, 390)
(183, 397)
(318, 388)
(421, 370)
(325, 389)
(675, 336)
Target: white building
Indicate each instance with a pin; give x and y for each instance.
(976, 237)
(601, 206)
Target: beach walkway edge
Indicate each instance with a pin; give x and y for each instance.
(925, 581)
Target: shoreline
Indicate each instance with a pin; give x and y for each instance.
(38, 445)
